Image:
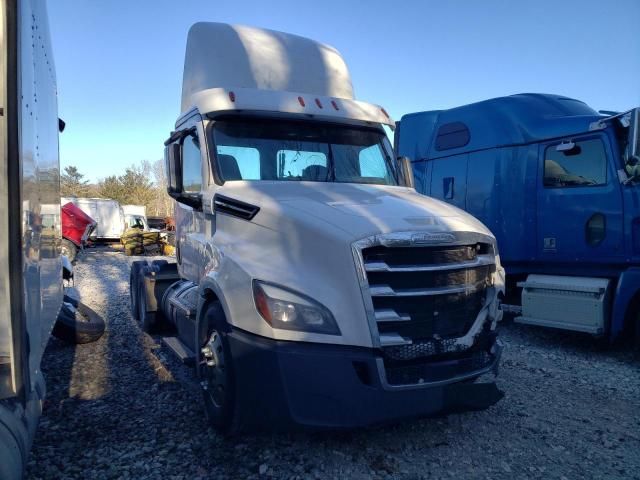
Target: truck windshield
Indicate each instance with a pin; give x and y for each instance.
(302, 151)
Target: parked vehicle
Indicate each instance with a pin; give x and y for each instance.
(31, 285)
(559, 186)
(313, 286)
(77, 226)
(158, 223)
(108, 214)
(135, 216)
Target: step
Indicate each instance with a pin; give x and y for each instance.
(184, 353)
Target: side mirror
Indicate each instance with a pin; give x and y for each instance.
(173, 168)
(407, 171)
(633, 145)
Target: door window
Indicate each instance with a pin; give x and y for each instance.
(583, 165)
(191, 165)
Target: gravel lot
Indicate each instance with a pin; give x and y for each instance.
(123, 407)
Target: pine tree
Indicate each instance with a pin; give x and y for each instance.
(72, 183)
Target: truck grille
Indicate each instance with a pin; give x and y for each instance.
(425, 297)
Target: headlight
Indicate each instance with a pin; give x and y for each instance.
(287, 310)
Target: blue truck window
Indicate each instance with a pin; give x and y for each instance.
(452, 135)
(583, 165)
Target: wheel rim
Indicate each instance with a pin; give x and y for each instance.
(213, 368)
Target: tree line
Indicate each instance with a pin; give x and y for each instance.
(142, 184)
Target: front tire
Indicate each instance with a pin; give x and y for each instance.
(69, 249)
(216, 372)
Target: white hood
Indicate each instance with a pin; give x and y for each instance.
(354, 211)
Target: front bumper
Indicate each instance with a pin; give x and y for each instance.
(287, 385)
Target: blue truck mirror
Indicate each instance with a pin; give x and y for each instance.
(634, 133)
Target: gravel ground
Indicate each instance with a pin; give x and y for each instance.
(123, 407)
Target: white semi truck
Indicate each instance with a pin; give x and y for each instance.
(313, 286)
(31, 280)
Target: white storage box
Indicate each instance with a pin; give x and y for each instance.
(570, 303)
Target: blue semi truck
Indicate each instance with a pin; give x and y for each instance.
(559, 185)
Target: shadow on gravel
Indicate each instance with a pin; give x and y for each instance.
(126, 408)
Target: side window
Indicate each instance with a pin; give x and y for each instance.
(191, 165)
(452, 135)
(582, 165)
(373, 162)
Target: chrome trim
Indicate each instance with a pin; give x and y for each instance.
(480, 261)
(405, 239)
(387, 291)
(496, 351)
(393, 340)
(390, 315)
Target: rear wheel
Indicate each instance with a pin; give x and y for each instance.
(216, 373)
(69, 249)
(133, 287)
(637, 318)
(147, 319)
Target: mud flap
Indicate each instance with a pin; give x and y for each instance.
(464, 397)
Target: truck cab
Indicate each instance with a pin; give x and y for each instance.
(314, 287)
(558, 185)
(135, 216)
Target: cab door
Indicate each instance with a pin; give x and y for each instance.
(580, 215)
(194, 226)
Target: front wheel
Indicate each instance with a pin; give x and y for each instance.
(216, 373)
(69, 249)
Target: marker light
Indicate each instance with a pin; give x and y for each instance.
(335, 105)
(301, 100)
(318, 103)
(232, 96)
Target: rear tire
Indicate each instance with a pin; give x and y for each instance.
(147, 319)
(77, 323)
(134, 274)
(216, 372)
(69, 249)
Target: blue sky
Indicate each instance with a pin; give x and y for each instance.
(119, 63)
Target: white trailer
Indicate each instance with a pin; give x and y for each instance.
(31, 277)
(314, 286)
(108, 214)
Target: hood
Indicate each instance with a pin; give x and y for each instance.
(354, 210)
